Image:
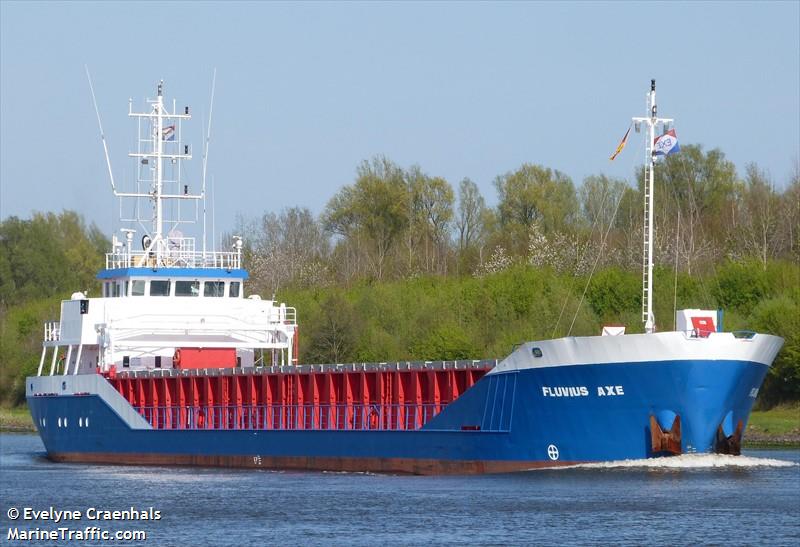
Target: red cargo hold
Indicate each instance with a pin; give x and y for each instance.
(186, 358)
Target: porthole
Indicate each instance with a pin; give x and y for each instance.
(65, 422)
(86, 422)
(80, 422)
(59, 422)
(44, 422)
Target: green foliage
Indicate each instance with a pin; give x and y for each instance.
(780, 316)
(448, 342)
(534, 194)
(21, 345)
(48, 255)
(332, 336)
(376, 209)
(396, 269)
(740, 286)
(613, 291)
(41, 260)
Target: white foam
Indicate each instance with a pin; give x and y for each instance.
(688, 461)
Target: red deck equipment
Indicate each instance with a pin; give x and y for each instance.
(703, 325)
(329, 397)
(195, 358)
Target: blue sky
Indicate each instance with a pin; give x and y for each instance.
(307, 91)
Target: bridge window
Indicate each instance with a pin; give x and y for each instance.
(234, 289)
(137, 287)
(159, 288)
(214, 288)
(187, 288)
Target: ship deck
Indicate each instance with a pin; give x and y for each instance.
(354, 396)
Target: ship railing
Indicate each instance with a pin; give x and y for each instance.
(175, 258)
(284, 316)
(333, 417)
(52, 331)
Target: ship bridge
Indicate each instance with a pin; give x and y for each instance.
(179, 311)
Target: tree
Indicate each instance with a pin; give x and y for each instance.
(599, 196)
(289, 247)
(789, 216)
(374, 210)
(471, 207)
(432, 213)
(761, 206)
(536, 193)
(48, 255)
(698, 186)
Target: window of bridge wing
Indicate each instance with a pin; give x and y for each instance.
(214, 288)
(234, 288)
(137, 287)
(159, 287)
(187, 288)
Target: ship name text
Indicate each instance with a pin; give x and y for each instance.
(581, 391)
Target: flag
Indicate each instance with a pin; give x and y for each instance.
(666, 144)
(621, 144)
(168, 133)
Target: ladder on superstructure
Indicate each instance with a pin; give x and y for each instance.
(646, 272)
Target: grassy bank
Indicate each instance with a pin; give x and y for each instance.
(779, 426)
(16, 420)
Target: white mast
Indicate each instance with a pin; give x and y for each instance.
(157, 247)
(159, 146)
(652, 120)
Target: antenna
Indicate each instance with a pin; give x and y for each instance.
(205, 157)
(102, 135)
(213, 217)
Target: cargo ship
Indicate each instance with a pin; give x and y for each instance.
(173, 365)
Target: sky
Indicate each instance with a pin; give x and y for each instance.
(307, 91)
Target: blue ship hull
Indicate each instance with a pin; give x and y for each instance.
(514, 420)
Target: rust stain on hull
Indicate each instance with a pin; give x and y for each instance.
(666, 441)
(314, 463)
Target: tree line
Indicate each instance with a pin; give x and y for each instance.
(393, 223)
(401, 264)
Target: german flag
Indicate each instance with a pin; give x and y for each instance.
(621, 144)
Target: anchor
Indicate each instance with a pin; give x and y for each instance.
(665, 441)
(729, 444)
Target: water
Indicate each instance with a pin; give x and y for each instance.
(748, 500)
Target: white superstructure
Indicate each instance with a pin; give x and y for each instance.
(165, 295)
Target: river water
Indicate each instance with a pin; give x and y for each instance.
(747, 500)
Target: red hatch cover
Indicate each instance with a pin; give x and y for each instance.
(703, 325)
